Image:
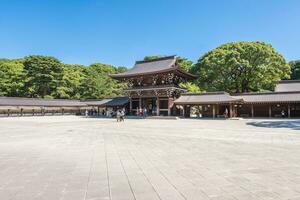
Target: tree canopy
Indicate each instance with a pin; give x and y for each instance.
(47, 77)
(295, 68)
(11, 77)
(241, 67)
(232, 67)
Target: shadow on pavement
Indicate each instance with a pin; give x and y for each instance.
(292, 124)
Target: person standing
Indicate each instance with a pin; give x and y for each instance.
(226, 113)
(145, 112)
(141, 111)
(122, 115)
(282, 114)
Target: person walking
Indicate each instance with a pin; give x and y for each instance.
(145, 112)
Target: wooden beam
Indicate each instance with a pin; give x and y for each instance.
(214, 111)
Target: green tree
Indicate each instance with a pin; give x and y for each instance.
(11, 77)
(146, 58)
(98, 84)
(190, 86)
(241, 67)
(43, 76)
(295, 68)
(71, 85)
(185, 63)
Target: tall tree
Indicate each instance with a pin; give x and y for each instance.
(43, 75)
(185, 63)
(71, 85)
(98, 84)
(295, 68)
(11, 77)
(241, 67)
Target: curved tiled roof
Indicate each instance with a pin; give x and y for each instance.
(206, 98)
(270, 97)
(17, 101)
(154, 66)
(288, 85)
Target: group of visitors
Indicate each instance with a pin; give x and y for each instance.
(142, 112)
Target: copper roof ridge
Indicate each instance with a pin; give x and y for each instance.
(206, 93)
(37, 98)
(264, 93)
(289, 81)
(156, 59)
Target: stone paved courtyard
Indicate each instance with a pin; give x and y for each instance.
(74, 158)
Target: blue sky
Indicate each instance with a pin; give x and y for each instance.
(119, 32)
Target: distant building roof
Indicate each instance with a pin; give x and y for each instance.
(288, 86)
(206, 98)
(154, 66)
(18, 101)
(117, 101)
(97, 102)
(37, 102)
(269, 97)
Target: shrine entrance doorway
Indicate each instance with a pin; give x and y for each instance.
(150, 104)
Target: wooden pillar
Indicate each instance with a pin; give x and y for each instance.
(62, 111)
(140, 102)
(157, 106)
(130, 105)
(183, 110)
(8, 112)
(289, 111)
(170, 105)
(21, 112)
(214, 111)
(270, 111)
(230, 110)
(32, 112)
(252, 110)
(98, 111)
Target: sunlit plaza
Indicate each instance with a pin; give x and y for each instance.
(78, 158)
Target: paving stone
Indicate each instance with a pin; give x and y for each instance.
(75, 158)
